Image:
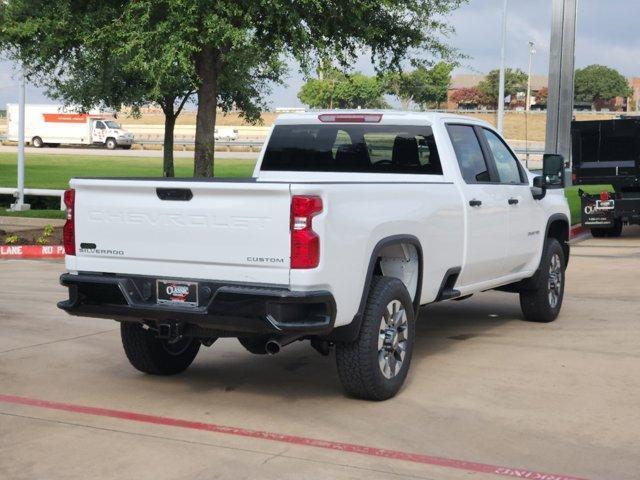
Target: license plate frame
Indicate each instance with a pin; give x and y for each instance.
(177, 292)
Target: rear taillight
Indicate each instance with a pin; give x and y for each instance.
(69, 229)
(305, 243)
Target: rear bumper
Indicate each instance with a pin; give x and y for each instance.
(223, 310)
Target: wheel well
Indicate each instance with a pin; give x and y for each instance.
(398, 256)
(402, 261)
(559, 229)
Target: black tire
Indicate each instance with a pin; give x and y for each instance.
(543, 302)
(37, 142)
(614, 231)
(359, 362)
(151, 355)
(255, 345)
(111, 144)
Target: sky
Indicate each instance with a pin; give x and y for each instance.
(606, 34)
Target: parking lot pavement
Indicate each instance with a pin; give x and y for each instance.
(484, 387)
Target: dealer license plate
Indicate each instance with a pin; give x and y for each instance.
(174, 292)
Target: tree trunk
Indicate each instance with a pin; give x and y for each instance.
(167, 154)
(206, 116)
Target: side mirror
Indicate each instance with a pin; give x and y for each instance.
(553, 170)
(539, 189)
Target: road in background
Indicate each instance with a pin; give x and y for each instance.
(484, 386)
(122, 153)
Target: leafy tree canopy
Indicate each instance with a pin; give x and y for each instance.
(339, 90)
(211, 43)
(423, 86)
(597, 82)
(514, 81)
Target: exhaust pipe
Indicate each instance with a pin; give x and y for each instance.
(275, 344)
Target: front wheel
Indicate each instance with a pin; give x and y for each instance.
(375, 365)
(111, 144)
(542, 303)
(155, 356)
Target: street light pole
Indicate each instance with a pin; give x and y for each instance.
(532, 51)
(502, 61)
(20, 205)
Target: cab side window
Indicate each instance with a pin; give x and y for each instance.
(473, 165)
(100, 125)
(506, 163)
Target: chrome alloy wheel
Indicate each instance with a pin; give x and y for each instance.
(555, 280)
(393, 339)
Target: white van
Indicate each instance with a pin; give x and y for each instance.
(54, 125)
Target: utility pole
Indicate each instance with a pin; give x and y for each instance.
(503, 49)
(532, 51)
(20, 206)
(561, 71)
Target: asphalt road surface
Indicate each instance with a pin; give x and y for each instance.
(489, 396)
(121, 153)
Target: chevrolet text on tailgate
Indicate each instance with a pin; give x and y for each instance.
(351, 222)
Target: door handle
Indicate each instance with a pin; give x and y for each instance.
(513, 201)
(475, 203)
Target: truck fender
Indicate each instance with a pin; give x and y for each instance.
(350, 332)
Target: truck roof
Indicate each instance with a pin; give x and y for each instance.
(387, 116)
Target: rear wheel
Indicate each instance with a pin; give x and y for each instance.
(149, 354)
(543, 302)
(37, 142)
(375, 365)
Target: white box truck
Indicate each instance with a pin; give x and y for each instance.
(54, 125)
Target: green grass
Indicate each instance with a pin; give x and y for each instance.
(35, 214)
(574, 200)
(54, 171)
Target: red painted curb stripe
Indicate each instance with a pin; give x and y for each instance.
(31, 251)
(290, 439)
(576, 231)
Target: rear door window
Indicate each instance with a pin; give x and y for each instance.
(473, 165)
(409, 149)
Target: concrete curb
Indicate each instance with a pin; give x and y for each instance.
(31, 252)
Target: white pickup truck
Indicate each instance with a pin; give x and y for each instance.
(351, 222)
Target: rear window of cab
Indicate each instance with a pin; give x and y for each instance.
(358, 148)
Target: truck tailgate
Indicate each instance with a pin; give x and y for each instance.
(217, 230)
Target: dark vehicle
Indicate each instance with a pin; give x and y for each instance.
(607, 152)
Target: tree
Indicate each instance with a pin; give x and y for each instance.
(218, 43)
(599, 83)
(470, 97)
(541, 96)
(212, 36)
(71, 49)
(424, 86)
(339, 90)
(514, 81)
